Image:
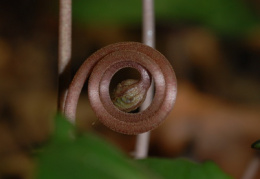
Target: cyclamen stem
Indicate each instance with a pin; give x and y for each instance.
(100, 68)
(142, 141)
(64, 51)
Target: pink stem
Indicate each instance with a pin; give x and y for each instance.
(142, 141)
(64, 51)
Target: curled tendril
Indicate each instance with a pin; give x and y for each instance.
(102, 66)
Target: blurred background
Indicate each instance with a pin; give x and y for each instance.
(213, 46)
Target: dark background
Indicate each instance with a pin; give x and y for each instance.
(214, 47)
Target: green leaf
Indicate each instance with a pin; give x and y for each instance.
(64, 131)
(70, 155)
(184, 169)
(84, 156)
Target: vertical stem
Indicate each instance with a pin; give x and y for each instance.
(148, 23)
(64, 51)
(142, 143)
(252, 168)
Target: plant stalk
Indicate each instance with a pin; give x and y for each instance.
(142, 143)
(64, 52)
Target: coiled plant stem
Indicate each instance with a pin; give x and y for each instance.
(101, 66)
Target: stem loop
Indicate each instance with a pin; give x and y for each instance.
(102, 65)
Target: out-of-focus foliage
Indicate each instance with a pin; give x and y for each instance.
(68, 157)
(228, 17)
(183, 168)
(71, 156)
(256, 145)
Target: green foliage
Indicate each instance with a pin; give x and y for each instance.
(256, 145)
(70, 155)
(79, 156)
(184, 169)
(103, 11)
(228, 17)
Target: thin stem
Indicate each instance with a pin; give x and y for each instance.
(142, 143)
(64, 53)
(148, 23)
(252, 168)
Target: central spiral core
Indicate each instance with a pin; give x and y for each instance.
(113, 111)
(128, 95)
